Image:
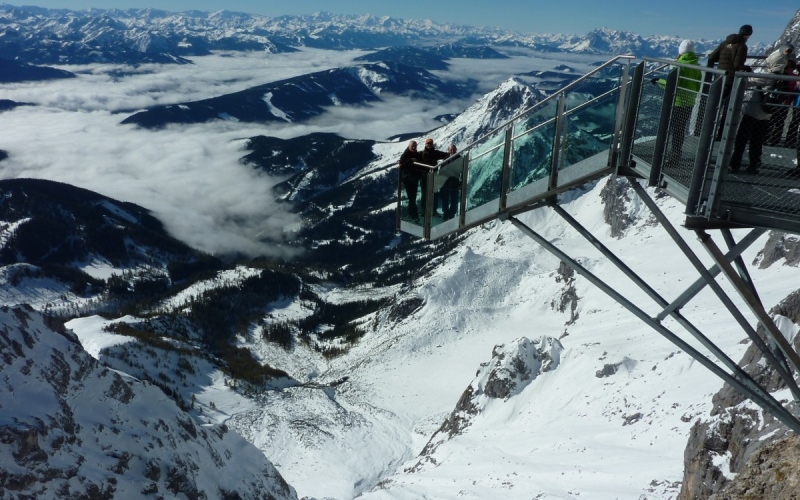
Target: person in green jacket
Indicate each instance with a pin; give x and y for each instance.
(689, 82)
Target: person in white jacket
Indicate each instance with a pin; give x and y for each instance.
(755, 119)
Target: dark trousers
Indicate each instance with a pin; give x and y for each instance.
(752, 132)
(413, 182)
(449, 195)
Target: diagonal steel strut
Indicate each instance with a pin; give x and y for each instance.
(737, 371)
(767, 403)
(776, 364)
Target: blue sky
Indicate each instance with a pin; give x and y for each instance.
(684, 18)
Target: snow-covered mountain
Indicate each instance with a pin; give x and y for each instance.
(59, 36)
(377, 366)
(393, 368)
(73, 428)
(307, 96)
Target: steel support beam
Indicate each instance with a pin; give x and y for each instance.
(768, 404)
(721, 295)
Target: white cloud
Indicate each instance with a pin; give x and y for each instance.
(190, 176)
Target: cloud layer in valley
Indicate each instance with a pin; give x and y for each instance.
(191, 176)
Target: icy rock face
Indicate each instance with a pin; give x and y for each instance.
(512, 368)
(777, 247)
(740, 452)
(71, 428)
(771, 473)
(617, 198)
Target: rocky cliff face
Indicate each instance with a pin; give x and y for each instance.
(741, 452)
(72, 428)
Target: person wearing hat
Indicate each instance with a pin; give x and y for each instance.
(410, 176)
(730, 56)
(689, 81)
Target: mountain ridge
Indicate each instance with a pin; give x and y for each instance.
(148, 35)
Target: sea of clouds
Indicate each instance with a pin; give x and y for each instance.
(191, 176)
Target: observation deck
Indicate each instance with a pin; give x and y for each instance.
(619, 120)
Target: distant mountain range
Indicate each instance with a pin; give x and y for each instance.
(306, 96)
(60, 36)
(302, 357)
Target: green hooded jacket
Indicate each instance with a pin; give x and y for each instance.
(689, 80)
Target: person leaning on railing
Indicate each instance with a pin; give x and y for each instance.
(782, 93)
(410, 176)
(730, 56)
(431, 156)
(688, 88)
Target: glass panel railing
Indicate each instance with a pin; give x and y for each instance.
(649, 115)
(532, 155)
(591, 123)
(484, 177)
(447, 189)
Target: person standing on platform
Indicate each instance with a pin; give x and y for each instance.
(410, 176)
(752, 131)
(430, 156)
(689, 82)
(730, 56)
(450, 191)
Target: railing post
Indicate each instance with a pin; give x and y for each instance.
(464, 186)
(398, 215)
(506, 172)
(663, 128)
(705, 150)
(631, 115)
(733, 116)
(428, 208)
(560, 131)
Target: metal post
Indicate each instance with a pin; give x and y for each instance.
(663, 128)
(770, 405)
(557, 140)
(723, 297)
(705, 148)
(632, 112)
(506, 173)
(693, 330)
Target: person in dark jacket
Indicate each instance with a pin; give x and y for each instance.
(451, 187)
(410, 175)
(431, 156)
(730, 56)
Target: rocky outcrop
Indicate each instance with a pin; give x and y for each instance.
(779, 246)
(71, 428)
(616, 198)
(568, 300)
(740, 452)
(511, 369)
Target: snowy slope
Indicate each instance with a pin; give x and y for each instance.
(71, 428)
(577, 430)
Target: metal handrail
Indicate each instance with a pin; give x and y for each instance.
(549, 98)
